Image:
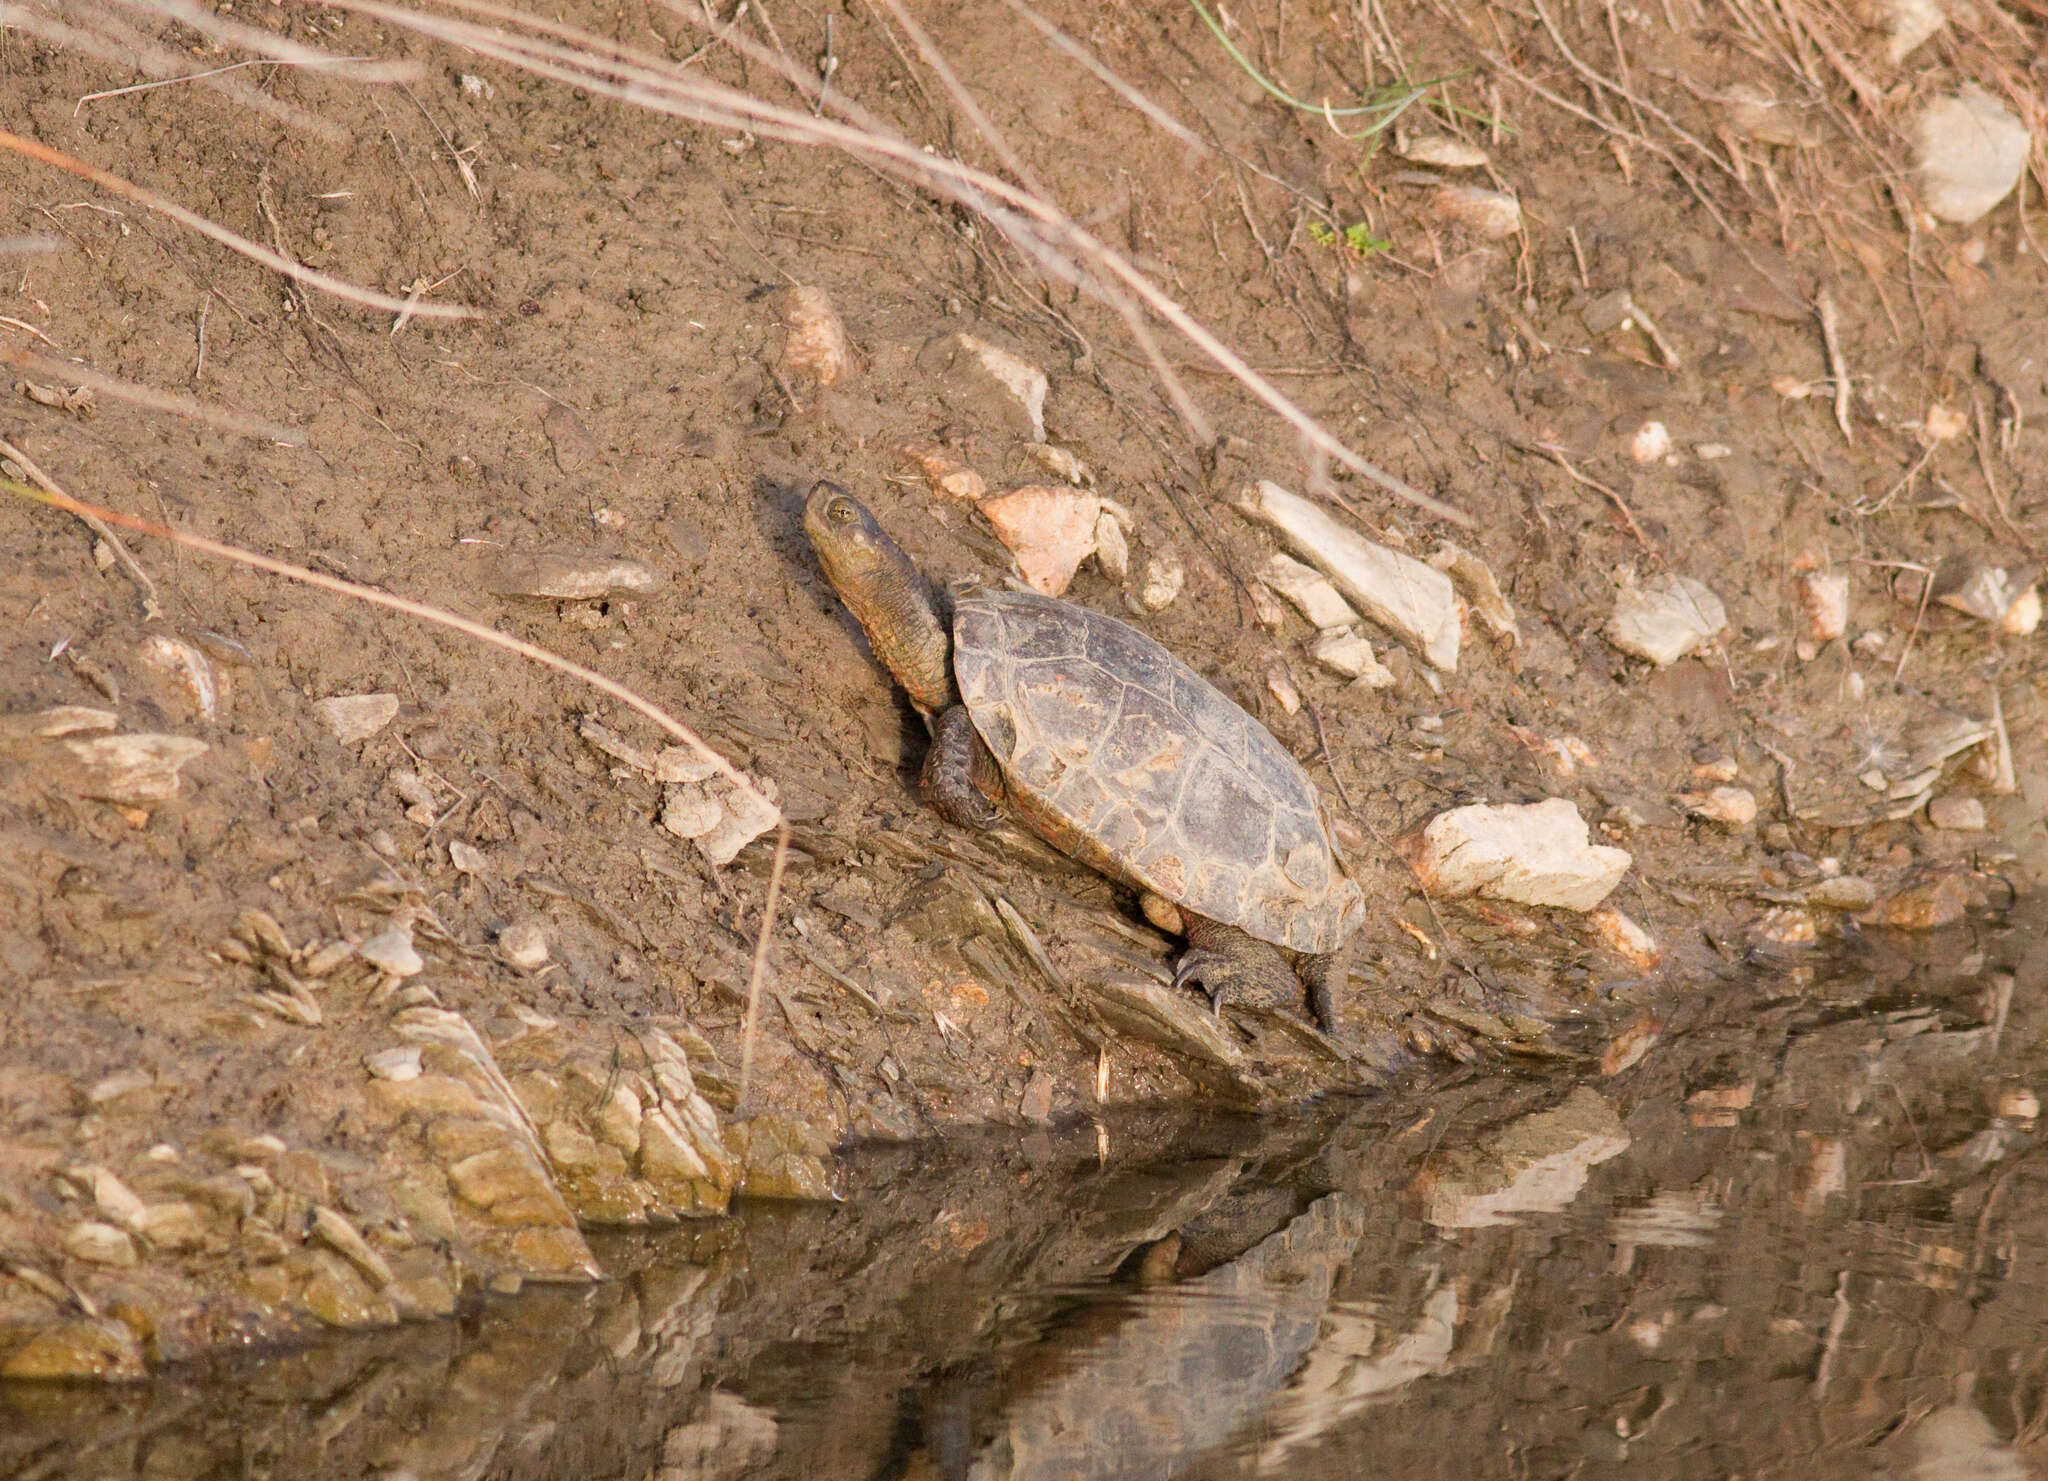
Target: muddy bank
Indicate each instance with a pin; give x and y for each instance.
(1800, 1228)
(387, 1003)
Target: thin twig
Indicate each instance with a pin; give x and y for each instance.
(1838, 364)
(152, 609)
(760, 966)
(1919, 613)
(173, 402)
(1556, 455)
(1060, 41)
(253, 251)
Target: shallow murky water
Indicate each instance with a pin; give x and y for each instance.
(1807, 1234)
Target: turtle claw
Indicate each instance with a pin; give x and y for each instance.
(1227, 977)
(1206, 972)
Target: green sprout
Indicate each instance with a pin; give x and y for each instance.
(1357, 238)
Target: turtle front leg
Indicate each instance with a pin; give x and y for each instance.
(1231, 966)
(960, 775)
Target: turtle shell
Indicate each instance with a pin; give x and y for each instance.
(1120, 755)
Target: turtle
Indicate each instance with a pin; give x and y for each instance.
(1118, 754)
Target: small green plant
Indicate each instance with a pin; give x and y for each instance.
(1357, 238)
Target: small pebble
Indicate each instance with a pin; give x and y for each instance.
(1971, 151)
(1164, 578)
(1309, 590)
(816, 349)
(1343, 651)
(1665, 618)
(467, 858)
(946, 473)
(356, 717)
(1280, 684)
(1112, 548)
(402, 1063)
(391, 950)
(1651, 443)
(524, 945)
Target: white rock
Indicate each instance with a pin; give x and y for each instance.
(1443, 152)
(1971, 150)
(1060, 462)
(1625, 938)
(1021, 386)
(1112, 549)
(58, 720)
(1665, 618)
(115, 1198)
(467, 858)
(1050, 531)
(1476, 579)
(524, 945)
(1534, 854)
(1164, 579)
(187, 670)
(400, 1064)
(718, 817)
(815, 349)
(132, 769)
(1344, 651)
(356, 717)
(1823, 608)
(1409, 599)
(391, 950)
(1651, 443)
(946, 474)
(1309, 590)
(1280, 684)
(1730, 807)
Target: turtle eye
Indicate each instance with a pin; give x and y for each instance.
(842, 512)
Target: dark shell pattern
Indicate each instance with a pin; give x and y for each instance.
(1122, 756)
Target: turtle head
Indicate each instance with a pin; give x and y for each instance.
(885, 592)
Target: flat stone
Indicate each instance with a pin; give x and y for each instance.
(524, 945)
(1533, 854)
(356, 717)
(428, 1095)
(400, 1063)
(553, 1254)
(1665, 618)
(391, 950)
(1408, 598)
(1925, 906)
(99, 1244)
(1309, 590)
(171, 1226)
(1344, 652)
(1049, 530)
(984, 378)
(1970, 151)
(336, 1294)
(339, 1235)
(569, 1148)
(570, 576)
(497, 1176)
(131, 770)
(783, 1158)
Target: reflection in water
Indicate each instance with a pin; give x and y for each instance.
(1802, 1237)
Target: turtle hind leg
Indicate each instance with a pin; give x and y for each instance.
(959, 774)
(1323, 975)
(1233, 967)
